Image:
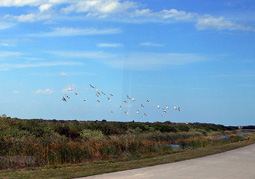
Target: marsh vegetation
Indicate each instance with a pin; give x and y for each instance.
(40, 143)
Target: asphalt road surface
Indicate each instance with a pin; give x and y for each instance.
(234, 164)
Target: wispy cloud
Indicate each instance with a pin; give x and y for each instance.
(10, 66)
(117, 10)
(136, 60)
(152, 44)
(100, 8)
(82, 54)
(243, 74)
(63, 74)
(155, 61)
(33, 58)
(13, 42)
(6, 25)
(44, 91)
(4, 44)
(209, 22)
(9, 3)
(111, 45)
(6, 54)
(32, 17)
(247, 85)
(66, 31)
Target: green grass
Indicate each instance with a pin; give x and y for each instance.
(93, 168)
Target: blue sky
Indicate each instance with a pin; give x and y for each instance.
(198, 55)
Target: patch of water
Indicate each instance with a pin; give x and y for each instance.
(245, 132)
(175, 147)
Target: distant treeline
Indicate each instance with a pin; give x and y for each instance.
(247, 127)
(72, 128)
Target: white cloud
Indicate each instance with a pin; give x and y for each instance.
(32, 17)
(46, 91)
(27, 18)
(65, 31)
(9, 3)
(19, 3)
(10, 66)
(154, 61)
(164, 15)
(209, 22)
(113, 45)
(100, 8)
(116, 10)
(177, 15)
(151, 44)
(45, 7)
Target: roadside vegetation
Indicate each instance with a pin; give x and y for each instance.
(37, 143)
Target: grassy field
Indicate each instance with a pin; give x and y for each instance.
(93, 168)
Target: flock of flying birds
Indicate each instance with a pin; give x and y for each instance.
(125, 100)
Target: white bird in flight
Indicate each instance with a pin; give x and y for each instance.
(70, 89)
(124, 100)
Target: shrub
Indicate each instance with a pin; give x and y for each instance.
(87, 134)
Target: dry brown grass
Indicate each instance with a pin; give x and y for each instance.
(87, 169)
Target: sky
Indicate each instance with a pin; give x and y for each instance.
(194, 54)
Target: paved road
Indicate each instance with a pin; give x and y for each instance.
(234, 164)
